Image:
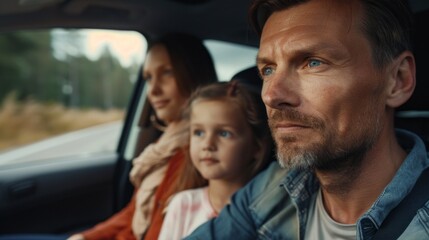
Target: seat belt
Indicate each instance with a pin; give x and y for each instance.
(400, 217)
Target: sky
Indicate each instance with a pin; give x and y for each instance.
(127, 46)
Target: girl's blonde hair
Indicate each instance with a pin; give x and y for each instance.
(253, 109)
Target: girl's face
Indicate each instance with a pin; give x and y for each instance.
(222, 145)
(163, 92)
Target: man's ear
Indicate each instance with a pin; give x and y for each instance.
(402, 80)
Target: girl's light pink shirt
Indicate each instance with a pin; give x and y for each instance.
(186, 211)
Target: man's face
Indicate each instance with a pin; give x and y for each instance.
(324, 97)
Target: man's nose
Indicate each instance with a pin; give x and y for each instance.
(280, 90)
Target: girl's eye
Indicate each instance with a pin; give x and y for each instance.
(225, 134)
(198, 133)
(266, 71)
(314, 63)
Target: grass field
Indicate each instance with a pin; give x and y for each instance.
(25, 122)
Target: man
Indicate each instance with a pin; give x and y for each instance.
(333, 72)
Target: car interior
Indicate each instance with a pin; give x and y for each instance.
(69, 194)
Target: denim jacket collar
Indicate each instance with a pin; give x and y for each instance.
(403, 181)
(301, 186)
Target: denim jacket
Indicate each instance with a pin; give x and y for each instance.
(275, 204)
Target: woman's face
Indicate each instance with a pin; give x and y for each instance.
(163, 92)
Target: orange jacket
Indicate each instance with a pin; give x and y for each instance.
(118, 226)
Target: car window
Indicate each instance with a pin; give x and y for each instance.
(230, 58)
(64, 92)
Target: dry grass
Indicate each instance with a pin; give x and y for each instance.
(29, 121)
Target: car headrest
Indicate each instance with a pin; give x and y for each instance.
(250, 77)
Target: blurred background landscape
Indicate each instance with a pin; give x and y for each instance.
(57, 81)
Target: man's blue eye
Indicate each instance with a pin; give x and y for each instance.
(314, 63)
(224, 134)
(267, 71)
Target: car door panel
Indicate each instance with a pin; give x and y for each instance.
(58, 195)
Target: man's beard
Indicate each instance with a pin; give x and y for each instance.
(331, 152)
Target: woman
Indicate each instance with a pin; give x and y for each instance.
(175, 65)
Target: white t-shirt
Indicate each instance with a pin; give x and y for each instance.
(321, 226)
(186, 211)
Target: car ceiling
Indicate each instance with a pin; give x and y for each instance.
(208, 19)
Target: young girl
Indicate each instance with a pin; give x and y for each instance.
(228, 145)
